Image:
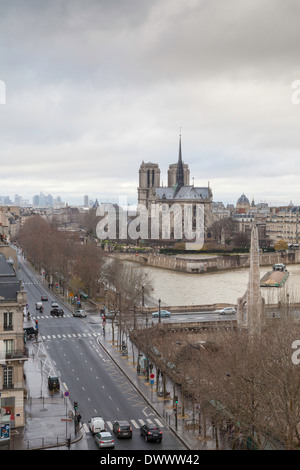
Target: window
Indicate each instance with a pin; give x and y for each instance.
(7, 377)
(8, 345)
(8, 324)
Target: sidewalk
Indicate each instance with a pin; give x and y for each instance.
(47, 416)
(48, 419)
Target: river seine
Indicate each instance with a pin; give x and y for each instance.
(177, 289)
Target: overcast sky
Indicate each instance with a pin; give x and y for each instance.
(95, 87)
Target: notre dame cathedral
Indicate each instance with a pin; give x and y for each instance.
(178, 191)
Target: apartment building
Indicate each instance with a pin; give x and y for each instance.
(13, 352)
(283, 224)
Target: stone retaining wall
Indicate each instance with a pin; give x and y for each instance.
(209, 263)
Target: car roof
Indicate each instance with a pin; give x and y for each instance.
(153, 426)
(104, 434)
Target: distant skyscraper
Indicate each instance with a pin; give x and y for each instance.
(18, 200)
(49, 200)
(86, 201)
(36, 200)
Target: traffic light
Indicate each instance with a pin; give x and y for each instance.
(176, 400)
(75, 405)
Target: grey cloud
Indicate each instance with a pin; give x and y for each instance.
(99, 86)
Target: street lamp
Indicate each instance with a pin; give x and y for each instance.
(159, 310)
(143, 296)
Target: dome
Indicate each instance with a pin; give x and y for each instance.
(243, 200)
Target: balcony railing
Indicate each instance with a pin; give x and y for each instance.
(8, 327)
(22, 353)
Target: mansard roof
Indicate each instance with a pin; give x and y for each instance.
(9, 283)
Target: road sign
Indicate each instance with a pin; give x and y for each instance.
(66, 394)
(152, 376)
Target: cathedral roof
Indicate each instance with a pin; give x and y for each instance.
(185, 192)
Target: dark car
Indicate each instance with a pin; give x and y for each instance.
(44, 297)
(122, 429)
(53, 383)
(30, 332)
(151, 432)
(57, 312)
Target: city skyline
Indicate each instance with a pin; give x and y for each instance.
(93, 90)
(87, 201)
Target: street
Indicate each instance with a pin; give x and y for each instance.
(88, 373)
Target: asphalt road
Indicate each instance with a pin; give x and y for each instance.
(88, 373)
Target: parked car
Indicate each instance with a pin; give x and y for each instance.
(30, 332)
(151, 432)
(104, 439)
(53, 383)
(122, 429)
(227, 311)
(44, 297)
(163, 313)
(54, 304)
(57, 312)
(111, 314)
(79, 313)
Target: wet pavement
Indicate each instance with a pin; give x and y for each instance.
(49, 420)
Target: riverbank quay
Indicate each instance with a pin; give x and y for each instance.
(203, 263)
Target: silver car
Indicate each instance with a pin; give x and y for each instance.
(228, 311)
(79, 313)
(104, 439)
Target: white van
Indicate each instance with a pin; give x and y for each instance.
(38, 305)
(97, 424)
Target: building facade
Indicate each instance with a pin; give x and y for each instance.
(179, 192)
(13, 352)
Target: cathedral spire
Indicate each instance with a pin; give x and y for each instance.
(179, 171)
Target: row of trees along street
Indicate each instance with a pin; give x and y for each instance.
(246, 386)
(80, 265)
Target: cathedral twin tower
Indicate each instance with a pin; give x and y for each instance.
(178, 190)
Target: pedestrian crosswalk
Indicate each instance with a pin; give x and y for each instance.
(70, 336)
(135, 423)
(42, 317)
